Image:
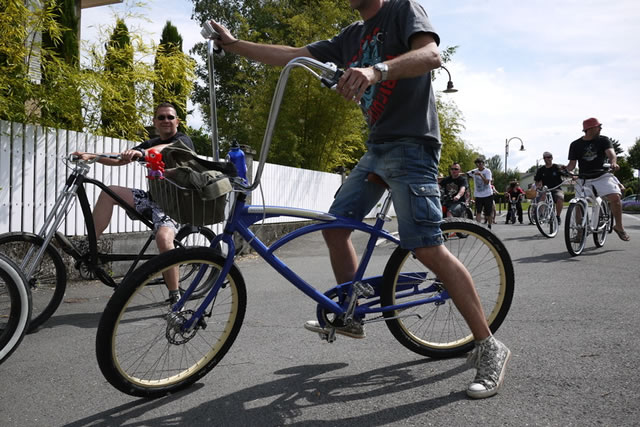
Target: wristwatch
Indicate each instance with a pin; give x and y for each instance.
(383, 68)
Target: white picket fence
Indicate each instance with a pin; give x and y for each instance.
(33, 171)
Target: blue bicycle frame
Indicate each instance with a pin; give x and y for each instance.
(243, 216)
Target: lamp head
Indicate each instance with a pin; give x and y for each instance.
(450, 88)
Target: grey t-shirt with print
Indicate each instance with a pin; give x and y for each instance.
(394, 109)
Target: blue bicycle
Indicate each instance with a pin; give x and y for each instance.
(147, 347)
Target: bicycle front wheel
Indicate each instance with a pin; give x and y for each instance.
(531, 213)
(575, 234)
(193, 236)
(437, 329)
(15, 306)
(547, 222)
(49, 279)
(141, 345)
(604, 217)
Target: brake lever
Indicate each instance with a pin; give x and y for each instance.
(333, 81)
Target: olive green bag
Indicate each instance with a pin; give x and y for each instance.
(194, 190)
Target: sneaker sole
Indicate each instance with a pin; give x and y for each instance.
(320, 330)
(489, 393)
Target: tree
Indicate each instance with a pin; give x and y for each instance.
(634, 161)
(170, 76)
(119, 98)
(316, 128)
(63, 49)
(99, 86)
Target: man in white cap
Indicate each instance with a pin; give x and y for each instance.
(590, 153)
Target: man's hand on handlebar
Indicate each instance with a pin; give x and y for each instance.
(355, 81)
(225, 37)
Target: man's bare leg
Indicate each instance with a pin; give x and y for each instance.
(459, 284)
(103, 209)
(342, 254)
(616, 210)
(164, 241)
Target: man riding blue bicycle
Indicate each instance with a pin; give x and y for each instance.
(388, 58)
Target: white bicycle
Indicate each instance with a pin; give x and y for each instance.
(588, 213)
(545, 213)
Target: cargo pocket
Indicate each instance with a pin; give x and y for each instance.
(425, 203)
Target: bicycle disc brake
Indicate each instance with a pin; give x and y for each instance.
(174, 332)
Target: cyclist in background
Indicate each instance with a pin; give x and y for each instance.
(590, 152)
(482, 191)
(388, 58)
(455, 185)
(550, 174)
(166, 122)
(515, 194)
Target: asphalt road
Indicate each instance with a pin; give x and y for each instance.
(573, 329)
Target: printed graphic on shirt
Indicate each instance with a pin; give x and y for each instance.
(376, 97)
(589, 153)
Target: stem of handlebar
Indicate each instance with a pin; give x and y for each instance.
(329, 75)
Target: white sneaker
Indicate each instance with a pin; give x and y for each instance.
(490, 358)
(355, 330)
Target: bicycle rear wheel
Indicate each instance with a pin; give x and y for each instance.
(575, 235)
(15, 306)
(437, 329)
(140, 345)
(547, 222)
(49, 280)
(604, 217)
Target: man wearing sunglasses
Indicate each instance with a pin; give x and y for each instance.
(166, 122)
(589, 153)
(550, 175)
(454, 186)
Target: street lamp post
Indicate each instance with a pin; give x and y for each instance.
(506, 150)
(450, 88)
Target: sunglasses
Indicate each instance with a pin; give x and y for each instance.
(161, 117)
(455, 169)
(548, 157)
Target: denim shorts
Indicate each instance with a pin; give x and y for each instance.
(410, 169)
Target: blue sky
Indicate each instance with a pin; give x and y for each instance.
(532, 70)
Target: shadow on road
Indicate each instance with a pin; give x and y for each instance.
(281, 401)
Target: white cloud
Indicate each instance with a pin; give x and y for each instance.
(537, 69)
(533, 69)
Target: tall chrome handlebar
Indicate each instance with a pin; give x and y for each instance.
(327, 73)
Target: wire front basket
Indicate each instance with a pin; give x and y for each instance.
(185, 205)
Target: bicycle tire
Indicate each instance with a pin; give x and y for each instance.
(49, 281)
(15, 306)
(438, 330)
(547, 222)
(604, 216)
(194, 236)
(531, 213)
(139, 347)
(575, 235)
